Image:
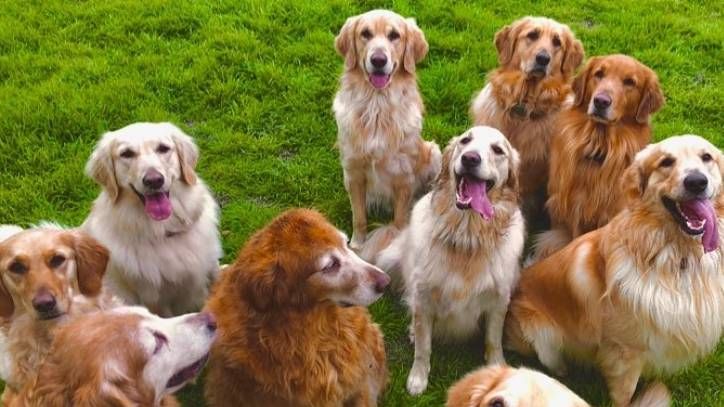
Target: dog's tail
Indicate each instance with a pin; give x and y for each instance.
(377, 241)
(655, 395)
(547, 243)
(7, 231)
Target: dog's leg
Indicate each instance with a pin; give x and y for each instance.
(547, 346)
(403, 201)
(621, 368)
(494, 333)
(356, 187)
(417, 379)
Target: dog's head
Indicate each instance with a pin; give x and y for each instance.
(42, 269)
(300, 260)
(477, 165)
(539, 47)
(617, 87)
(380, 43)
(502, 386)
(680, 178)
(124, 357)
(146, 162)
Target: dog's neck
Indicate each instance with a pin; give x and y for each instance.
(528, 98)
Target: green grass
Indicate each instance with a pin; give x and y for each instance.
(253, 82)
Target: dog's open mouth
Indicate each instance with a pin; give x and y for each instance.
(379, 79)
(187, 373)
(472, 193)
(156, 204)
(696, 217)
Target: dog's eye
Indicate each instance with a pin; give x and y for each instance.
(161, 340)
(17, 268)
(496, 149)
(128, 154)
(497, 402)
(556, 41)
(366, 34)
(393, 35)
(667, 162)
(57, 261)
(706, 157)
(533, 35)
(599, 74)
(332, 266)
(163, 149)
(629, 82)
(466, 139)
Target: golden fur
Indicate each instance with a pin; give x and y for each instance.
(284, 339)
(639, 295)
(522, 101)
(589, 154)
(385, 160)
(61, 266)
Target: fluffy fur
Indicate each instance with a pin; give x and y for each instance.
(457, 266)
(592, 147)
(167, 264)
(523, 97)
(385, 160)
(290, 333)
(124, 357)
(642, 294)
(47, 277)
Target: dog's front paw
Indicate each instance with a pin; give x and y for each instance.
(417, 380)
(356, 242)
(494, 357)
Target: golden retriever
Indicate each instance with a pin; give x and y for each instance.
(595, 141)
(123, 357)
(292, 327)
(459, 257)
(156, 216)
(538, 57)
(645, 293)
(46, 277)
(379, 117)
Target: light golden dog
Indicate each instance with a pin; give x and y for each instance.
(46, 277)
(538, 57)
(645, 293)
(292, 327)
(594, 142)
(379, 117)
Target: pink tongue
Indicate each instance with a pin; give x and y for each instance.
(703, 209)
(379, 81)
(480, 202)
(158, 206)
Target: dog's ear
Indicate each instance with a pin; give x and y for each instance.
(91, 259)
(345, 43)
(188, 154)
(635, 178)
(471, 390)
(7, 307)
(581, 81)
(443, 176)
(652, 99)
(513, 167)
(505, 41)
(100, 166)
(416, 46)
(573, 56)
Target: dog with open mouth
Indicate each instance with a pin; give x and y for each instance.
(643, 294)
(293, 330)
(47, 277)
(596, 139)
(156, 216)
(379, 110)
(123, 357)
(459, 257)
(524, 95)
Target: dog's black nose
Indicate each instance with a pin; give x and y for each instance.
(601, 101)
(470, 159)
(378, 60)
(44, 302)
(382, 280)
(542, 58)
(696, 182)
(153, 179)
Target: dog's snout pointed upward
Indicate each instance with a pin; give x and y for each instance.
(153, 179)
(696, 182)
(378, 60)
(470, 159)
(206, 319)
(382, 280)
(602, 101)
(543, 58)
(44, 302)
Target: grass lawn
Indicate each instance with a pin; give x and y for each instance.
(253, 82)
